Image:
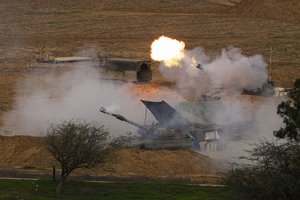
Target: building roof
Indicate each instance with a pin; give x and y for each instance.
(167, 116)
(123, 64)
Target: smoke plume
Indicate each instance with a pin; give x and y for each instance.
(76, 92)
(226, 76)
(229, 71)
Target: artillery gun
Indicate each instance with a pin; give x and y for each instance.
(173, 131)
(158, 136)
(143, 130)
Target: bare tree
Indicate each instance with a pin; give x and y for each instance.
(77, 144)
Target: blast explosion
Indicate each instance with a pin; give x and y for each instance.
(230, 70)
(168, 50)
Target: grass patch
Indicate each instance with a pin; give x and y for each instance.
(75, 190)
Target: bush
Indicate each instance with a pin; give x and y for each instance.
(275, 175)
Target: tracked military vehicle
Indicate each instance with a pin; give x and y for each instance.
(166, 134)
(120, 69)
(267, 90)
(176, 131)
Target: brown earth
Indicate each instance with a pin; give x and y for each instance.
(30, 152)
(285, 10)
(127, 28)
(124, 28)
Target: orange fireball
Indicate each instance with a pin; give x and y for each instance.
(168, 50)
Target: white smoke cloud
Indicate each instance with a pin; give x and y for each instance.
(229, 71)
(236, 71)
(263, 112)
(79, 91)
(76, 92)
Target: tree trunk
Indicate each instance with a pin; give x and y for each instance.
(60, 184)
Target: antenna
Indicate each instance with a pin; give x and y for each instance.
(195, 99)
(145, 116)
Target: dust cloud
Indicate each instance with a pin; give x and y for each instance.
(75, 93)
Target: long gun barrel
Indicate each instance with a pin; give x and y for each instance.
(122, 118)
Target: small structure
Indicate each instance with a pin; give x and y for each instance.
(211, 135)
(279, 91)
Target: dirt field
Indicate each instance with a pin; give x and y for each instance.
(126, 29)
(25, 152)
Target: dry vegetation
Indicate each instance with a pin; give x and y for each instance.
(127, 28)
(30, 152)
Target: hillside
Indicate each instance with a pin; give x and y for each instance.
(284, 10)
(30, 152)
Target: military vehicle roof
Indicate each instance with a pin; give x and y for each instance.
(124, 64)
(167, 116)
(206, 115)
(210, 114)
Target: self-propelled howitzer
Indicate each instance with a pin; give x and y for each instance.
(157, 136)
